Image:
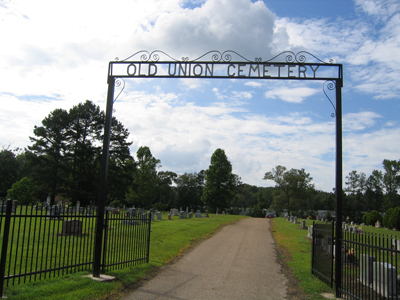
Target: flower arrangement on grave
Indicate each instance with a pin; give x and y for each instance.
(351, 255)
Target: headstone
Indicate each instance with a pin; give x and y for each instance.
(366, 275)
(89, 211)
(175, 212)
(352, 223)
(82, 210)
(396, 244)
(303, 224)
(345, 257)
(326, 221)
(190, 215)
(130, 213)
(129, 222)
(328, 243)
(346, 227)
(295, 220)
(78, 205)
(159, 216)
(310, 231)
(187, 209)
(343, 225)
(183, 215)
(384, 279)
(223, 212)
(115, 211)
(71, 227)
(217, 212)
(207, 216)
(198, 214)
(378, 224)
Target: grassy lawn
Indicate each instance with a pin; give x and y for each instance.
(169, 239)
(295, 250)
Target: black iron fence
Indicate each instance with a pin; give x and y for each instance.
(322, 249)
(38, 242)
(369, 262)
(370, 265)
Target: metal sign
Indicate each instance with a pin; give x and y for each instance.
(229, 65)
(221, 65)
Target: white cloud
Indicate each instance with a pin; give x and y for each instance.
(293, 95)
(359, 121)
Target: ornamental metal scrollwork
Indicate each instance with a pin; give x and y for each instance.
(227, 56)
(118, 83)
(330, 85)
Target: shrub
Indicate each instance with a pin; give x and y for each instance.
(365, 217)
(394, 220)
(373, 217)
(385, 221)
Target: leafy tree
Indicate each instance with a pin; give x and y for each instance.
(83, 135)
(293, 187)
(355, 188)
(143, 192)
(374, 191)
(394, 219)
(189, 187)
(391, 182)
(66, 151)
(48, 152)
(8, 170)
(166, 194)
(386, 218)
(372, 217)
(24, 191)
(246, 196)
(219, 189)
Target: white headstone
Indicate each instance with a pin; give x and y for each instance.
(384, 279)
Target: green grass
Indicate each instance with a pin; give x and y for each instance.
(293, 241)
(169, 239)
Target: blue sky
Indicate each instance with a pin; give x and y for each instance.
(58, 57)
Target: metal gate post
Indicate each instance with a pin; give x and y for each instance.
(339, 188)
(103, 179)
(5, 244)
(148, 239)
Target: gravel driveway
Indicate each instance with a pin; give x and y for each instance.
(238, 262)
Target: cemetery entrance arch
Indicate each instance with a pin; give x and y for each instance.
(225, 65)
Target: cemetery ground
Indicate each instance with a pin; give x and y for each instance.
(170, 240)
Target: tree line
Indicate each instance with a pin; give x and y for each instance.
(63, 160)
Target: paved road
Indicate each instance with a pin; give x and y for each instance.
(239, 262)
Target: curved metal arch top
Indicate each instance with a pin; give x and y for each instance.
(226, 56)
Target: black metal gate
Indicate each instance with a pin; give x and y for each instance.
(322, 252)
(39, 242)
